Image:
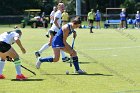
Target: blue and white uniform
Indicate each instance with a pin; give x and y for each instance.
(137, 17)
(122, 16)
(57, 41)
(98, 16)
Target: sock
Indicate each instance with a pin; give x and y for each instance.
(75, 63)
(63, 54)
(17, 63)
(2, 63)
(44, 47)
(47, 59)
(91, 29)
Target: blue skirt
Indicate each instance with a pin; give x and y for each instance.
(57, 42)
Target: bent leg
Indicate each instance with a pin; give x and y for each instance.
(13, 54)
(51, 59)
(74, 57)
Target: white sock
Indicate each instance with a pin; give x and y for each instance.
(63, 54)
(2, 63)
(44, 47)
(18, 69)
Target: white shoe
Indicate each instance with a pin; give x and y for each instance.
(81, 72)
(38, 63)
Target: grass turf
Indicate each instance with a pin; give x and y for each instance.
(110, 56)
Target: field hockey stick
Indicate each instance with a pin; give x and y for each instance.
(72, 48)
(11, 60)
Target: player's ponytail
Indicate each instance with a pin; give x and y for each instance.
(77, 20)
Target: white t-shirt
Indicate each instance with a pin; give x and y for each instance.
(52, 15)
(58, 15)
(9, 37)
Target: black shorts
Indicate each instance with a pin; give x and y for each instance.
(97, 20)
(4, 47)
(52, 32)
(90, 21)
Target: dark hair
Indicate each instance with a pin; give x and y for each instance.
(77, 20)
(18, 31)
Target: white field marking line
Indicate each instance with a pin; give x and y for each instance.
(112, 48)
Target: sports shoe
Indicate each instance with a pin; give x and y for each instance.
(65, 59)
(47, 35)
(38, 63)
(81, 72)
(37, 54)
(21, 77)
(2, 76)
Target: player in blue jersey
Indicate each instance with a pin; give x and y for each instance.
(122, 18)
(59, 42)
(98, 19)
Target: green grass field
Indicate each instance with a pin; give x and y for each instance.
(110, 56)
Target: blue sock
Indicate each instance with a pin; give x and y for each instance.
(17, 66)
(2, 63)
(47, 59)
(75, 63)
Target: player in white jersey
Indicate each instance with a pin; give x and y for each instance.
(53, 30)
(137, 16)
(6, 50)
(52, 15)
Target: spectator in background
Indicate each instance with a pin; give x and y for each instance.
(91, 19)
(97, 19)
(123, 19)
(65, 17)
(52, 15)
(137, 16)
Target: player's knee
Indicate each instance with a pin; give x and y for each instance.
(1, 59)
(56, 59)
(74, 53)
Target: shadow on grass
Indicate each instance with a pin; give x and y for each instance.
(95, 74)
(27, 80)
(84, 62)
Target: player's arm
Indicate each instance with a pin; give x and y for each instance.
(65, 35)
(55, 22)
(19, 44)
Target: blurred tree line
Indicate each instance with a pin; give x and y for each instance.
(17, 7)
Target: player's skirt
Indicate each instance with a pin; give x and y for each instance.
(4, 47)
(122, 19)
(57, 42)
(137, 20)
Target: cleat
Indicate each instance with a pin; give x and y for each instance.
(37, 54)
(2, 76)
(38, 63)
(65, 59)
(81, 72)
(47, 35)
(21, 77)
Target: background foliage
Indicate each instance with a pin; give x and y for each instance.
(17, 7)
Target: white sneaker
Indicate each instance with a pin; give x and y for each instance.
(38, 63)
(81, 72)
